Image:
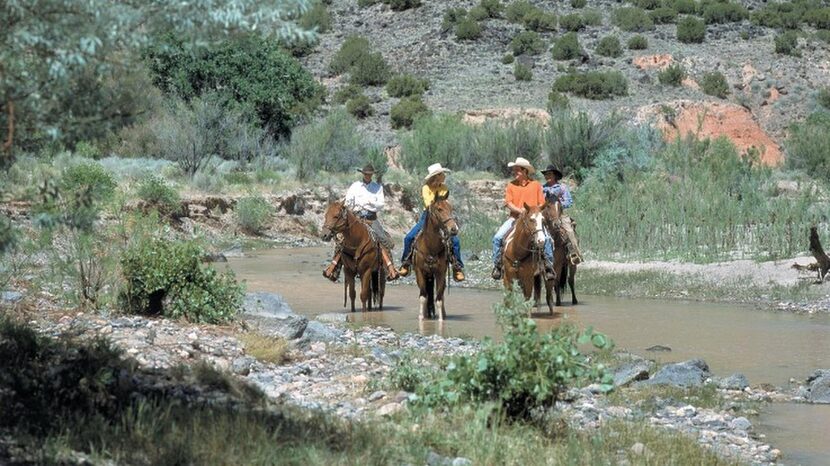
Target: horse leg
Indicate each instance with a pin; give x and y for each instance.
(431, 296)
(351, 286)
(423, 312)
(571, 280)
(381, 289)
(440, 286)
(549, 295)
(537, 290)
(365, 288)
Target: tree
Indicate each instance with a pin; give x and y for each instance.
(45, 44)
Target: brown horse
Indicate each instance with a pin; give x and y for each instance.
(360, 254)
(431, 257)
(524, 251)
(565, 270)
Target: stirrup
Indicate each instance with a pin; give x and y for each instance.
(496, 274)
(404, 270)
(458, 275)
(575, 258)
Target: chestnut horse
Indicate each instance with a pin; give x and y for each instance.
(430, 257)
(360, 255)
(524, 251)
(565, 270)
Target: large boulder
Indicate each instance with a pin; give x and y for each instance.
(690, 373)
(632, 372)
(270, 315)
(318, 332)
(819, 386)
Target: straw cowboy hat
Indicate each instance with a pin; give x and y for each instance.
(436, 169)
(522, 162)
(367, 170)
(554, 170)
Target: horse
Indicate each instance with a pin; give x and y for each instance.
(524, 251)
(431, 257)
(360, 254)
(565, 270)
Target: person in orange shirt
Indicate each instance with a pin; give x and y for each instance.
(520, 191)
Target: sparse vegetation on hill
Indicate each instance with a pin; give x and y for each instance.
(672, 75)
(567, 47)
(715, 84)
(593, 84)
(691, 30)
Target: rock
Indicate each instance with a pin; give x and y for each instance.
(658, 348)
(460, 461)
(690, 373)
(332, 317)
(294, 205)
(733, 382)
(389, 409)
(638, 449)
(272, 316)
(740, 423)
(377, 395)
(632, 372)
(242, 365)
(318, 332)
(819, 386)
(10, 297)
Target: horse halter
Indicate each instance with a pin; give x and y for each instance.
(341, 222)
(442, 224)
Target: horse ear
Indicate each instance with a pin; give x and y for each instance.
(441, 197)
(527, 207)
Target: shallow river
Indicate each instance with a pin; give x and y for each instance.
(767, 347)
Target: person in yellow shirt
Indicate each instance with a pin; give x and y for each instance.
(433, 186)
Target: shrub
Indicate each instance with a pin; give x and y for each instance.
(253, 214)
(786, 43)
(823, 35)
(578, 3)
(400, 5)
(717, 13)
(596, 85)
(477, 13)
(522, 72)
(404, 85)
(405, 112)
(572, 22)
(516, 11)
(352, 49)
(819, 18)
(686, 7)
(638, 42)
(318, 17)
(360, 107)
(541, 21)
(591, 17)
(672, 75)
(451, 17)
(567, 47)
(573, 140)
(92, 176)
(609, 46)
(632, 19)
(169, 278)
(370, 70)
(528, 42)
(647, 4)
(332, 144)
(440, 138)
(715, 84)
(508, 58)
(158, 194)
(494, 8)
(346, 93)
(808, 146)
(557, 102)
(779, 16)
(823, 97)
(663, 15)
(365, 3)
(691, 30)
(467, 29)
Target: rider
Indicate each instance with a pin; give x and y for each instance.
(554, 190)
(433, 186)
(365, 198)
(522, 190)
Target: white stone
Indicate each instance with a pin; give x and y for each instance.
(390, 409)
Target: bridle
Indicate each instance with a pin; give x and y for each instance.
(341, 221)
(442, 224)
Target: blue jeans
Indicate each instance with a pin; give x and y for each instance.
(410, 238)
(498, 241)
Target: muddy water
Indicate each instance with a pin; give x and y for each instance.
(767, 347)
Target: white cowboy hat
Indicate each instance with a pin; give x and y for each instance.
(435, 169)
(522, 162)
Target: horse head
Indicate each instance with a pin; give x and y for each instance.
(335, 220)
(441, 212)
(532, 221)
(552, 212)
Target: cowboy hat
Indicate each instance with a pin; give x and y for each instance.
(522, 162)
(367, 170)
(435, 169)
(554, 170)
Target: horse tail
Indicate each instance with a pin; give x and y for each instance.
(345, 293)
(376, 286)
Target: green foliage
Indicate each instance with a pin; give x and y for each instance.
(332, 144)
(638, 42)
(517, 10)
(467, 29)
(715, 84)
(365, 3)
(819, 18)
(451, 17)
(572, 22)
(780, 15)
(494, 8)
(248, 71)
(557, 102)
(317, 18)
(406, 111)
(691, 30)
(158, 194)
(404, 85)
(647, 4)
(823, 97)
(632, 19)
(786, 43)
(169, 278)
(823, 35)
(477, 13)
(360, 107)
(663, 15)
(400, 5)
(528, 42)
(253, 214)
(539, 20)
(522, 72)
(596, 85)
(8, 236)
(508, 58)
(672, 75)
(592, 17)
(574, 140)
(685, 7)
(370, 70)
(567, 47)
(353, 48)
(609, 46)
(717, 13)
(578, 3)
(808, 145)
(88, 176)
(346, 93)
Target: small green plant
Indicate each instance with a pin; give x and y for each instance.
(638, 42)
(663, 15)
(508, 58)
(400, 5)
(154, 191)
(596, 85)
(451, 17)
(647, 4)
(493, 8)
(365, 3)
(567, 47)
(724, 12)
(557, 102)
(578, 3)
(819, 18)
(527, 42)
(253, 214)
(686, 7)
(405, 85)
(591, 17)
(672, 75)
(609, 46)
(715, 84)
(691, 30)
(522, 72)
(344, 94)
(517, 10)
(786, 43)
(632, 19)
(823, 97)
(352, 49)
(467, 29)
(572, 22)
(404, 113)
(360, 107)
(745, 35)
(539, 20)
(318, 18)
(477, 13)
(370, 70)
(91, 176)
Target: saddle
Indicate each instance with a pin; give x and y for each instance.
(430, 259)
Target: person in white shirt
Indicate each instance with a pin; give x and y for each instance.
(365, 198)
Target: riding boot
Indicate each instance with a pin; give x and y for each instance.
(391, 271)
(496, 274)
(550, 274)
(406, 266)
(332, 272)
(457, 271)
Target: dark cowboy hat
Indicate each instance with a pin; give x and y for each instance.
(367, 170)
(554, 170)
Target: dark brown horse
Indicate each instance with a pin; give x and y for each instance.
(524, 250)
(360, 254)
(565, 270)
(430, 257)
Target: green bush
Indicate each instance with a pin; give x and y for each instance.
(632, 19)
(353, 48)
(318, 17)
(823, 35)
(527, 42)
(169, 278)
(494, 8)
(672, 75)
(596, 85)
(567, 47)
(467, 29)
(609, 46)
(400, 5)
(158, 194)
(638, 42)
(370, 70)
(406, 111)
(360, 107)
(572, 22)
(776, 15)
(591, 17)
(516, 11)
(647, 4)
(808, 146)
(574, 140)
(578, 3)
(786, 43)
(440, 138)
(557, 102)
(344, 94)
(253, 214)
(451, 17)
(404, 85)
(508, 58)
(477, 13)
(663, 15)
(91, 176)
(686, 7)
(715, 84)
(333, 144)
(541, 21)
(247, 71)
(718, 13)
(365, 3)
(522, 72)
(691, 30)
(819, 18)
(823, 97)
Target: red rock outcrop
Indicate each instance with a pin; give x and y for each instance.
(650, 62)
